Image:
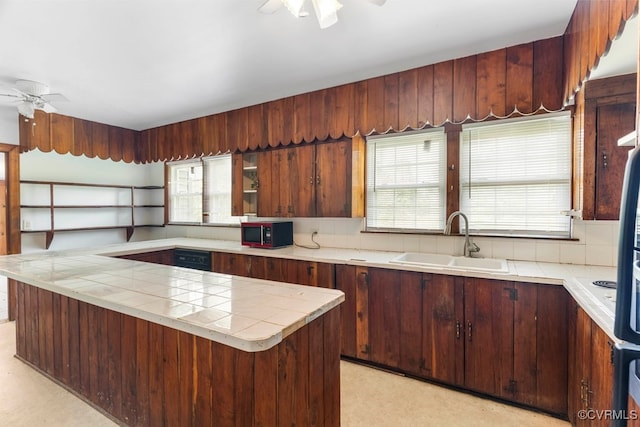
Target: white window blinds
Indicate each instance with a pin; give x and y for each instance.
(515, 176)
(185, 192)
(217, 191)
(406, 177)
(200, 191)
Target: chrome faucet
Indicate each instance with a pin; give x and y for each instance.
(469, 246)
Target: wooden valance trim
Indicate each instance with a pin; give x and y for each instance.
(521, 79)
(592, 28)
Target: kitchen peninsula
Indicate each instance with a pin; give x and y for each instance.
(153, 344)
(149, 322)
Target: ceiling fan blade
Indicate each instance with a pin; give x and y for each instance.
(11, 96)
(377, 2)
(270, 6)
(54, 97)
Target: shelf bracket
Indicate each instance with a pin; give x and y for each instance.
(48, 238)
(129, 233)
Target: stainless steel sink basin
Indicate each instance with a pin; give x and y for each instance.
(494, 265)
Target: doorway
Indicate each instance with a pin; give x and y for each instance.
(10, 242)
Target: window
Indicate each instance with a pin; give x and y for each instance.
(217, 194)
(515, 176)
(185, 192)
(200, 191)
(406, 177)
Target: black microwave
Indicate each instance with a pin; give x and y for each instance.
(273, 234)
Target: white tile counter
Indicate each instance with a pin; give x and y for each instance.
(247, 314)
(599, 303)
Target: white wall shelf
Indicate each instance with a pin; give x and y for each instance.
(50, 207)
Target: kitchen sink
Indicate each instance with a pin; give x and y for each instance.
(480, 263)
(422, 258)
(494, 265)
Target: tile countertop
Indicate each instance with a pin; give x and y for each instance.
(599, 303)
(247, 314)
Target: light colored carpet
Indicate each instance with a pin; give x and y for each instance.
(370, 398)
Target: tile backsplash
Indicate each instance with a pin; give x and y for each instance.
(596, 241)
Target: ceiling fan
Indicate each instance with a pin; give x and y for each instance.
(326, 10)
(32, 96)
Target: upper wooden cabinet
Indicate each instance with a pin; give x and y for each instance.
(309, 180)
(609, 107)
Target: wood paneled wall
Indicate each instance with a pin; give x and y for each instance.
(516, 79)
(523, 78)
(593, 25)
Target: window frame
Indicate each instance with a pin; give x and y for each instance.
(441, 186)
(453, 132)
(203, 162)
(567, 181)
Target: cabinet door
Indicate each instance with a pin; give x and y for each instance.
(580, 355)
(601, 375)
(300, 199)
(352, 280)
(551, 348)
(237, 195)
(279, 188)
(384, 316)
(613, 122)
(156, 257)
(309, 273)
(411, 322)
(268, 183)
(227, 263)
(489, 336)
(443, 329)
(525, 343)
(333, 179)
(274, 269)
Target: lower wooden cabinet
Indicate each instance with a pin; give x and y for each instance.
(310, 273)
(591, 373)
(501, 338)
(156, 257)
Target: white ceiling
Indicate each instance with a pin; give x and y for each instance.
(144, 63)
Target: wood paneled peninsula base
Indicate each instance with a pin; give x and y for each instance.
(142, 373)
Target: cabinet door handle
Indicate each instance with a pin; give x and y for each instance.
(310, 270)
(458, 327)
(470, 326)
(605, 162)
(318, 179)
(311, 180)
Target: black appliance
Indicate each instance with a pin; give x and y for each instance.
(269, 235)
(198, 260)
(627, 317)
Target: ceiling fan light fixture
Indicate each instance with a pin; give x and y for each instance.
(295, 7)
(326, 12)
(27, 109)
